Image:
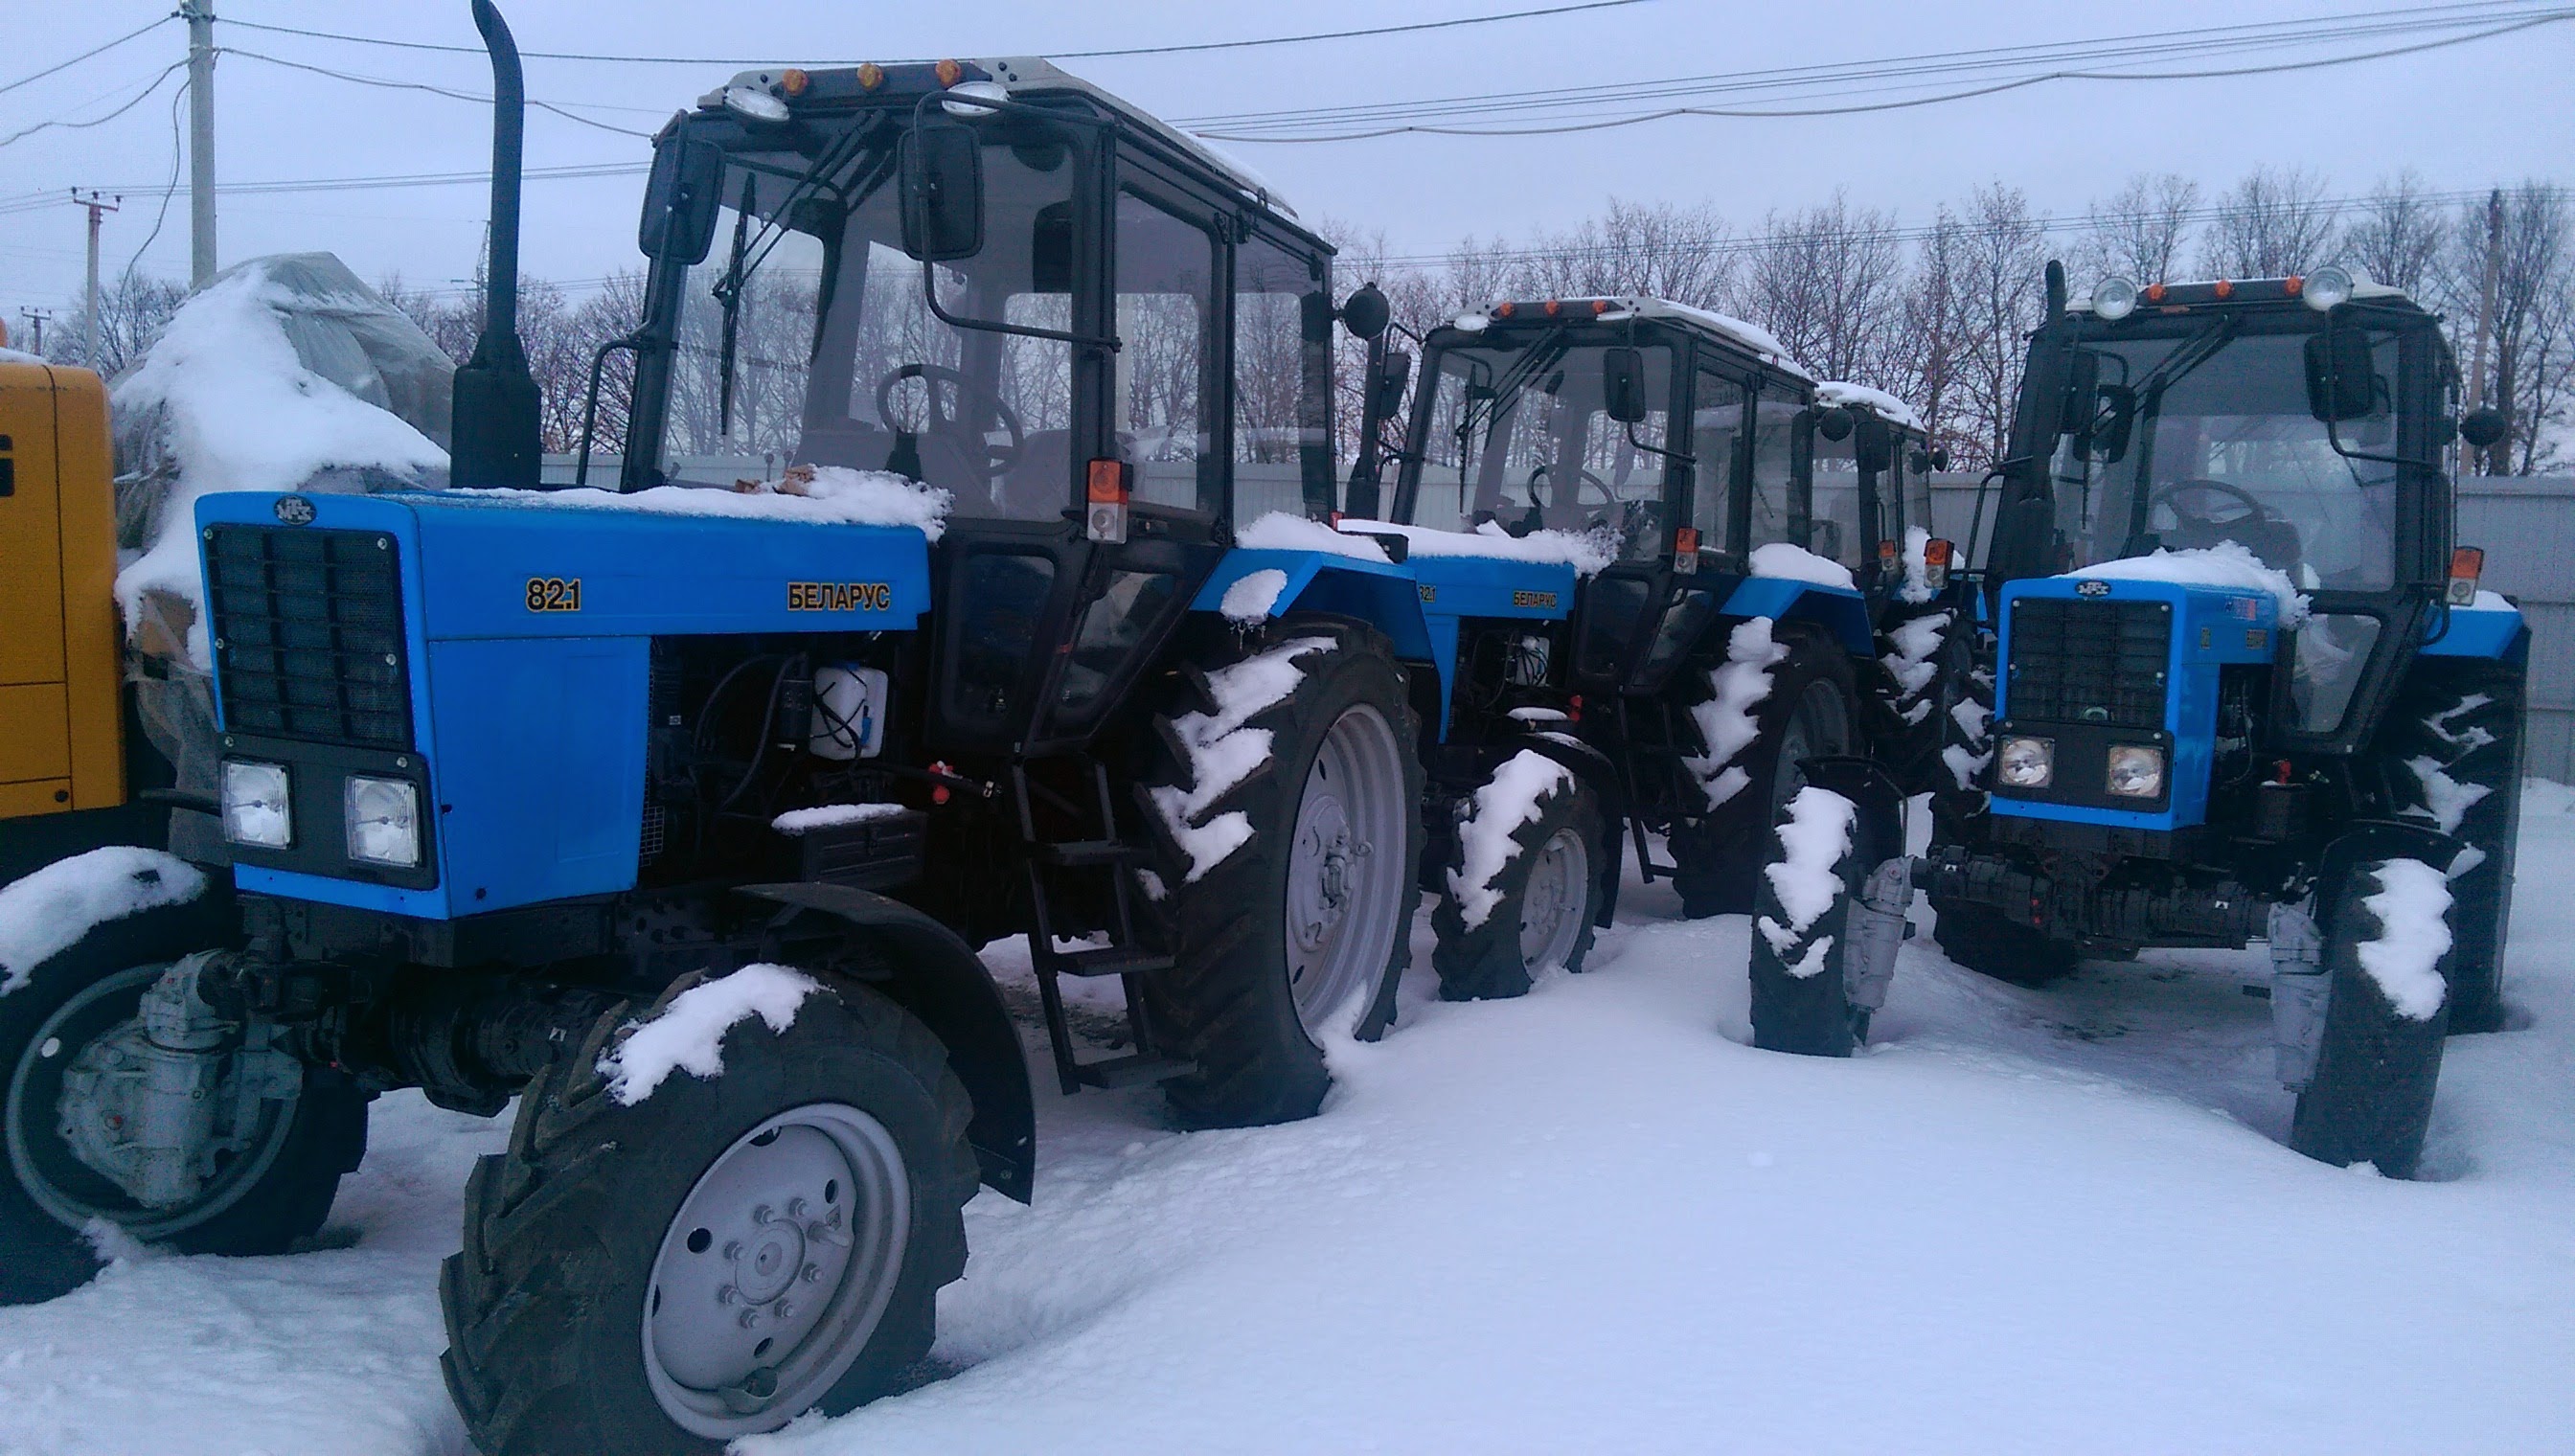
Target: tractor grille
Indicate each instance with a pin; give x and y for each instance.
(2090, 661)
(309, 633)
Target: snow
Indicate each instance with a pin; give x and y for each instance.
(1916, 642)
(1917, 567)
(1222, 752)
(827, 495)
(1797, 563)
(1506, 802)
(1589, 553)
(2446, 801)
(1806, 878)
(1255, 185)
(2474, 737)
(1835, 393)
(1750, 335)
(2413, 907)
(824, 817)
(18, 356)
(1963, 766)
(244, 413)
(689, 1035)
(1280, 531)
(2228, 563)
(2027, 1221)
(48, 913)
(1725, 721)
(1255, 597)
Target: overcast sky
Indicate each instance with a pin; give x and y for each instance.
(2497, 111)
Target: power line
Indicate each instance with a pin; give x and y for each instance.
(448, 92)
(162, 215)
(85, 55)
(138, 100)
(1165, 50)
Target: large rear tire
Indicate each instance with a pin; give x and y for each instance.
(722, 1254)
(72, 1023)
(1545, 899)
(2370, 1097)
(1288, 878)
(2451, 750)
(1812, 709)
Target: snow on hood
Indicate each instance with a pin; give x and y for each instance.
(244, 413)
(829, 495)
(48, 913)
(1280, 531)
(1589, 553)
(1797, 563)
(13, 356)
(689, 1035)
(2228, 563)
(1834, 392)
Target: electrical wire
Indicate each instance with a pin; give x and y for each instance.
(1165, 50)
(20, 135)
(448, 92)
(6, 88)
(163, 214)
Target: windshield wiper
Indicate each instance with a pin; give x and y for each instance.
(727, 292)
(1510, 382)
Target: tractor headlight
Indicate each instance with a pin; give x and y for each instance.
(256, 806)
(2027, 763)
(2326, 287)
(384, 822)
(2136, 772)
(2113, 299)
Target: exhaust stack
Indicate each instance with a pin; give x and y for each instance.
(495, 425)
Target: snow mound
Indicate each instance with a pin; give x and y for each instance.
(1589, 553)
(1797, 563)
(1485, 847)
(1255, 597)
(48, 913)
(1280, 531)
(239, 411)
(2228, 563)
(827, 495)
(1222, 752)
(829, 815)
(1812, 843)
(2413, 907)
(1726, 725)
(1835, 393)
(689, 1035)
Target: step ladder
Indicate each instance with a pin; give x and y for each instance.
(1653, 737)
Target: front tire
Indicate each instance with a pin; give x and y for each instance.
(1289, 879)
(2369, 1099)
(1539, 910)
(1810, 710)
(1802, 931)
(721, 1255)
(2455, 732)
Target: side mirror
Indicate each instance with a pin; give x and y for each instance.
(1940, 457)
(2117, 419)
(1393, 376)
(943, 192)
(2484, 427)
(1367, 312)
(1920, 462)
(2082, 391)
(1623, 384)
(681, 201)
(2342, 380)
(1835, 424)
(1873, 445)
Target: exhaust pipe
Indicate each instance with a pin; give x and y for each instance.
(497, 440)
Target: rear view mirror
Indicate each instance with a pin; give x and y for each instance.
(2111, 427)
(1873, 442)
(1392, 378)
(1835, 424)
(680, 200)
(2082, 388)
(1940, 457)
(2483, 428)
(1367, 312)
(943, 192)
(2342, 380)
(1920, 462)
(1623, 384)
(1050, 249)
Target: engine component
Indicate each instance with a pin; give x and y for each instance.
(848, 713)
(2299, 992)
(1875, 925)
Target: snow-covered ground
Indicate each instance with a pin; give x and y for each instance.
(1595, 1219)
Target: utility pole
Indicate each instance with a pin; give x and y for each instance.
(2485, 311)
(96, 207)
(201, 141)
(36, 325)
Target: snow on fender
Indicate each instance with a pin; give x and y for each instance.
(49, 912)
(689, 1035)
(1816, 836)
(1507, 801)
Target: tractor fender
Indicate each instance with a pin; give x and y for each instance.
(2492, 628)
(1595, 770)
(1837, 610)
(938, 978)
(2366, 839)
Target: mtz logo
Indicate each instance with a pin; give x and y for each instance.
(1532, 599)
(840, 595)
(2091, 588)
(293, 511)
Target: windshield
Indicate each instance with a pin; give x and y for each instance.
(2203, 438)
(1520, 436)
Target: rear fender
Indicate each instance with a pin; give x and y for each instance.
(1843, 612)
(938, 978)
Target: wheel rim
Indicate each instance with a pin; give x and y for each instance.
(776, 1270)
(83, 1035)
(1345, 866)
(1553, 905)
(1818, 725)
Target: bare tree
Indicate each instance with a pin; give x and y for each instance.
(2532, 329)
(2398, 234)
(2001, 258)
(1931, 350)
(131, 315)
(1825, 281)
(2271, 224)
(2138, 233)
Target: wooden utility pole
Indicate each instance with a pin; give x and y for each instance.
(2485, 314)
(96, 208)
(36, 326)
(201, 141)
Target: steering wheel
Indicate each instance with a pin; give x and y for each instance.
(2209, 521)
(954, 419)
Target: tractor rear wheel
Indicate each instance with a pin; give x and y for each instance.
(1811, 709)
(2450, 750)
(2370, 1096)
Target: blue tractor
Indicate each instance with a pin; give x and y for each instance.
(918, 617)
(2245, 687)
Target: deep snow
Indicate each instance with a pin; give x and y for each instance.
(1595, 1219)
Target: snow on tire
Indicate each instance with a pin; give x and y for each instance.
(1284, 793)
(748, 1221)
(1524, 881)
(1801, 928)
(1806, 705)
(2450, 755)
(2369, 1098)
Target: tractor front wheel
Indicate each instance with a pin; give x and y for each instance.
(1524, 881)
(2369, 1099)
